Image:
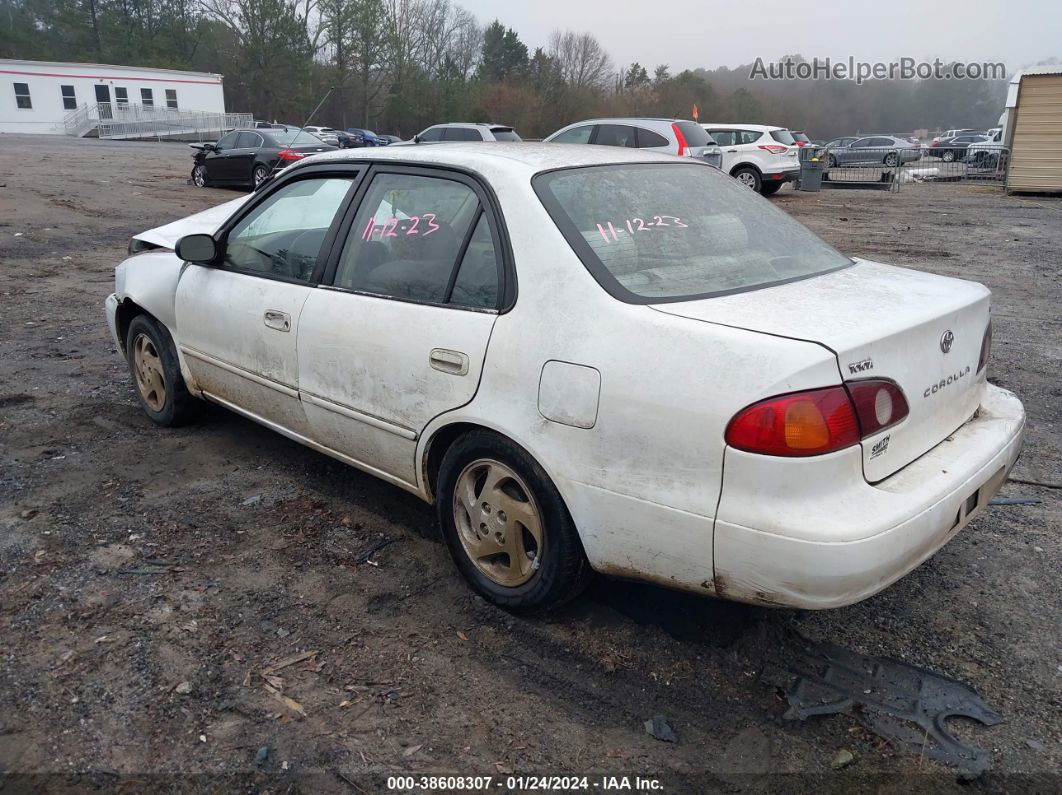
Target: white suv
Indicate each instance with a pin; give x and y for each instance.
(460, 131)
(761, 157)
(670, 136)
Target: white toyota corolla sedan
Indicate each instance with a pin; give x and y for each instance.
(587, 358)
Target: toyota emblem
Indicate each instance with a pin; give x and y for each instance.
(946, 339)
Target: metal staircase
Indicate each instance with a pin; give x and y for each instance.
(126, 121)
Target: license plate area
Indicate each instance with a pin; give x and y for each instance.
(972, 505)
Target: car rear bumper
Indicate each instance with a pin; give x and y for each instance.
(787, 173)
(790, 533)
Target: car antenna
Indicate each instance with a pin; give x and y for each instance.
(306, 123)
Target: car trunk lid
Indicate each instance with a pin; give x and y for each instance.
(881, 322)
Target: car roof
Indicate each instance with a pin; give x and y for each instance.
(494, 159)
(736, 125)
(470, 125)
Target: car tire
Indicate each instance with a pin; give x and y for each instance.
(482, 477)
(771, 188)
(156, 373)
(259, 175)
(891, 159)
(831, 161)
(749, 177)
(199, 176)
(948, 156)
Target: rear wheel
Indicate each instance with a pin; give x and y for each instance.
(948, 156)
(156, 373)
(507, 527)
(891, 159)
(748, 177)
(259, 175)
(199, 176)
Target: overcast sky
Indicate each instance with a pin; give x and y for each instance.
(690, 33)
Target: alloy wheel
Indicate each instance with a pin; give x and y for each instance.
(149, 376)
(498, 522)
(748, 179)
(199, 176)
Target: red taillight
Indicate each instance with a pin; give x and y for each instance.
(818, 421)
(879, 404)
(680, 138)
(986, 348)
(775, 149)
(289, 155)
(800, 424)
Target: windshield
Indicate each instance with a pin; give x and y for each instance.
(663, 232)
(694, 133)
(296, 138)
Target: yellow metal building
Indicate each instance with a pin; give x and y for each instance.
(1034, 130)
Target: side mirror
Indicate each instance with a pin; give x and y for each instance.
(200, 249)
(416, 139)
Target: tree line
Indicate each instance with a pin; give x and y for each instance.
(397, 66)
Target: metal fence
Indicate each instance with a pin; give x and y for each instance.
(889, 168)
(132, 122)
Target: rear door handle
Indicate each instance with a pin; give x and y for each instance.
(447, 361)
(281, 321)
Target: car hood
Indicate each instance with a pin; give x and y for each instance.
(206, 222)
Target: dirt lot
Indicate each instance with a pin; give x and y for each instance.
(147, 577)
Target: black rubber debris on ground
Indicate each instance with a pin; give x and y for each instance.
(904, 704)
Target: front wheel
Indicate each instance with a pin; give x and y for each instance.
(948, 156)
(507, 527)
(749, 177)
(156, 373)
(199, 176)
(831, 161)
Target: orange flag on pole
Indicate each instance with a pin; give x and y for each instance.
(695, 114)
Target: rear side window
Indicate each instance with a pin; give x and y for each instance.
(615, 135)
(783, 137)
(461, 134)
(663, 232)
(576, 135)
(421, 239)
(748, 136)
(248, 140)
(648, 138)
(693, 133)
(505, 134)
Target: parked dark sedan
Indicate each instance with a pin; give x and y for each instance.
(248, 157)
(949, 149)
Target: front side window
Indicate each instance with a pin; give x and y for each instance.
(432, 134)
(576, 135)
(146, 98)
(22, 96)
(121, 96)
(724, 137)
(653, 233)
(282, 236)
(227, 141)
(421, 239)
(69, 97)
(171, 98)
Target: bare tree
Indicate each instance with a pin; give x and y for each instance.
(582, 60)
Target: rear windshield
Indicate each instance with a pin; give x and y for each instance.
(296, 138)
(784, 137)
(694, 133)
(505, 134)
(663, 232)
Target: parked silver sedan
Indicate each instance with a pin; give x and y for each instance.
(871, 150)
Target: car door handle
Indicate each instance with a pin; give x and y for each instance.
(281, 321)
(731, 150)
(447, 361)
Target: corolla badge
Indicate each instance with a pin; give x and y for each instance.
(946, 340)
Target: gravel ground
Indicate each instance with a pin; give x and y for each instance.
(150, 578)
